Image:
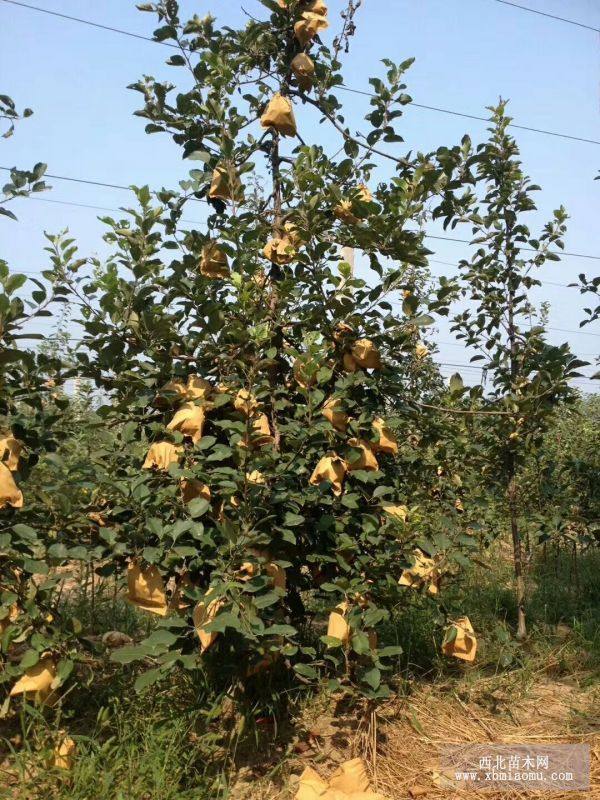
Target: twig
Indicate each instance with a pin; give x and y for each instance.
(464, 411)
(402, 161)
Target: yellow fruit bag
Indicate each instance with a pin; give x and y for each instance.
(460, 641)
(338, 624)
(189, 421)
(213, 263)
(279, 114)
(10, 450)
(311, 785)
(280, 251)
(387, 441)
(303, 69)
(423, 572)
(332, 469)
(10, 494)
(161, 455)
(192, 489)
(36, 683)
(225, 184)
(351, 777)
(63, 756)
(204, 613)
(309, 26)
(146, 589)
(366, 459)
(331, 411)
(245, 403)
(366, 354)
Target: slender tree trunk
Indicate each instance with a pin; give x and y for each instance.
(576, 568)
(517, 557)
(274, 278)
(513, 498)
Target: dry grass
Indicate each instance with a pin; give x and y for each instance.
(412, 733)
(409, 733)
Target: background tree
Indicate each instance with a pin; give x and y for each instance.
(528, 376)
(563, 477)
(589, 286)
(31, 407)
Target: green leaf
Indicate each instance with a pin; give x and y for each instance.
(390, 651)
(223, 621)
(456, 384)
(160, 638)
(280, 630)
(266, 600)
(35, 567)
(423, 320)
(125, 655)
(409, 305)
(331, 641)
(147, 679)
(450, 634)
(330, 587)
(372, 677)
(58, 551)
(360, 643)
(198, 507)
(206, 442)
(381, 491)
(30, 659)
(199, 155)
(293, 519)
(306, 671)
(14, 282)
(26, 532)
(64, 669)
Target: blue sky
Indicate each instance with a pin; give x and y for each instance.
(468, 53)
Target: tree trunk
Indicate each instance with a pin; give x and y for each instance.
(512, 459)
(517, 560)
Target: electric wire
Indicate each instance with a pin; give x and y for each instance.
(437, 109)
(427, 235)
(549, 16)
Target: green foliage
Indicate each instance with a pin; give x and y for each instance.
(217, 347)
(563, 478)
(528, 376)
(22, 182)
(31, 404)
(589, 286)
(282, 330)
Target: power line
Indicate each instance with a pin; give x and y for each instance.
(58, 337)
(446, 366)
(450, 264)
(75, 180)
(97, 208)
(476, 366)
(483, 119)
(90, 23)
(550, 16)
(346, 88)
(548, 328)
(196, 222)
(464, 346)
(427, 235)
(71, 203)
(528, 249)
(566, 330)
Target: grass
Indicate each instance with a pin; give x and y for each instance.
(186, 739)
